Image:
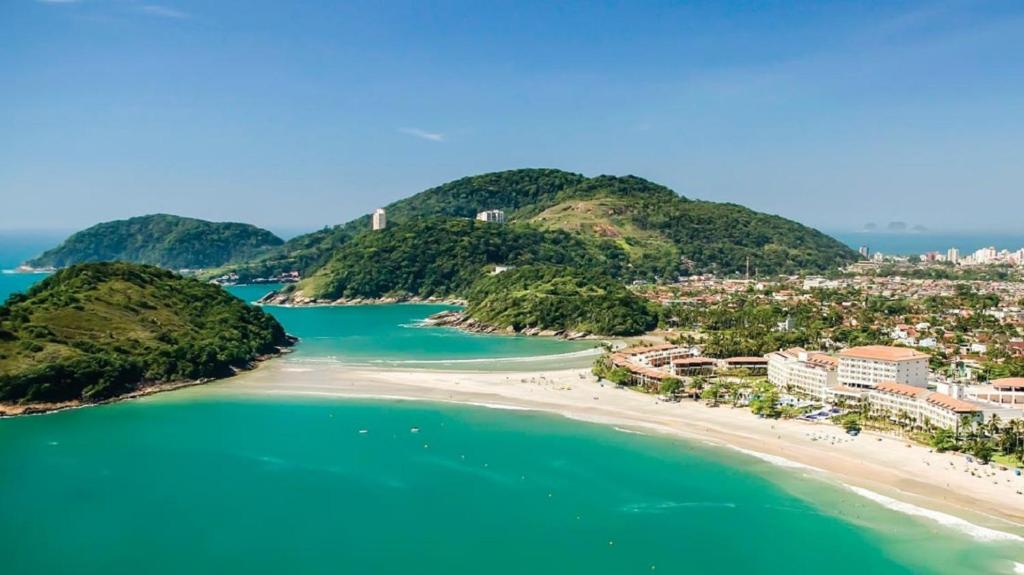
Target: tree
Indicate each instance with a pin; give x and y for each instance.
(944, 440)
(982, 449)
(670, 386)
(618, 376)
(765, 400)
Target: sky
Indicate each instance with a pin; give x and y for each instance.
(304, 113)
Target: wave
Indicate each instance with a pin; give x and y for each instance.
(501, 406)
(516, 359)
(774, 459)
(667, 505)
(631, 432)
(352, 362)
(27, 272)
(978, 532)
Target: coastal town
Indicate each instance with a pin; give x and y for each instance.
(934, 360)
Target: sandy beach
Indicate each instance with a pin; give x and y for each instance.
(873, 465)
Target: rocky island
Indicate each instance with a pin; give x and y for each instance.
(97, 332)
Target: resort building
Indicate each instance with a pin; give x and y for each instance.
(809, 373)
(867, 366)
(380, 219)
(918, 407)
(754, 365)
(645, 364)
(693, 366)
(1008, 391)
(491, 216)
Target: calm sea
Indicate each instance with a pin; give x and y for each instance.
(201, 481)
(919, 243)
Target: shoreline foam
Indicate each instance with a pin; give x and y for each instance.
(883, 467)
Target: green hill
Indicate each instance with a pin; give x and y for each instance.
(559, 299)
(662, 234)
(96, 331)
(442, 257)
(462, 198)
(163, 240)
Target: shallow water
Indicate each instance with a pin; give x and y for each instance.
(211, 484)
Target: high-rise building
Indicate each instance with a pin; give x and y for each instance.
(492, 216)
(953, 256)
(869, 365)
(864, 252)
(380, 219)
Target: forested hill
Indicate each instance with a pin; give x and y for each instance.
(662, 233)
(163, 240)
(96, 331)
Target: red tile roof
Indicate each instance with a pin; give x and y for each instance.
(883, 353)
(900, 389)
(947, 402)
(1008, 383)
(694, 361)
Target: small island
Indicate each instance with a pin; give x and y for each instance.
(163, 240)
(97, 332)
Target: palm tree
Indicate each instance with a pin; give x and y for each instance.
(993, 425)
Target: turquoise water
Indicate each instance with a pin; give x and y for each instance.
(202, 483)
(392, 336)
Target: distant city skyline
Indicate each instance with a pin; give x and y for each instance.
(293, 116)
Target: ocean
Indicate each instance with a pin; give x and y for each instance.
(923, 242)
(203, 481)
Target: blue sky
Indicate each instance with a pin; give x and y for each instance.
(299, 114)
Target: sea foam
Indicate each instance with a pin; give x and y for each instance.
(976, 531)
(774, 459)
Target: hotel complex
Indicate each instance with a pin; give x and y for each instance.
(892, 382)
(867, 366)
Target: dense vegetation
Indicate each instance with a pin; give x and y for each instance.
(560, 299)
(462, 198)
(100, 330)
(163, 240)
(662, 234)
(444, 257)
(668, 235)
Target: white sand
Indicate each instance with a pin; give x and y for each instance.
(882, 464)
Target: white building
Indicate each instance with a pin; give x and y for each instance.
(953, 255)
(491, 216)
(810, 373)
(867, 366)
(380, 219)
(907, 404)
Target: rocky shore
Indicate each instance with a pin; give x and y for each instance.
(144, 389)
(291, 298)
(459, 319)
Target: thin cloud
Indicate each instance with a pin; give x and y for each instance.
(163, 11)
(423, 134)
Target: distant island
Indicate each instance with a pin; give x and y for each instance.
(167, 241)
(616, 229)
(95, 332)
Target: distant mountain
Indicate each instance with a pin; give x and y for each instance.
(101, 330)
(657, 232)
(163, 240)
